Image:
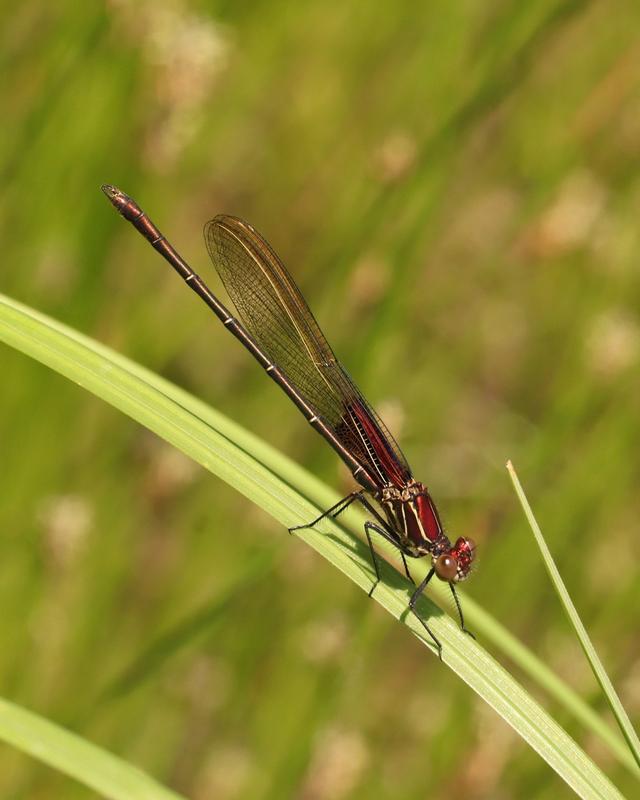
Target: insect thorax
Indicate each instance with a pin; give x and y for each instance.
(413, 516)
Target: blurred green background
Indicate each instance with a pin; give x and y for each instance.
(455, 187)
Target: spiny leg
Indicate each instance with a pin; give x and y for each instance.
(341, 506)
(364, 502)
(460, 614)
(406, 568)
(412, 605)
(332, 512)
(387, 533)
(368, 527)
(382, 528)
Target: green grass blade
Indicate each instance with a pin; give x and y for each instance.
(489, 629)
(96, 768)
(585, 642)
(253, 468)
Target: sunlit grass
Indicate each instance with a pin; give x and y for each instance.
(208, 439)
(454, 188)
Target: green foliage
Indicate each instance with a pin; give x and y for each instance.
(179, 419)
(597, 666)
(454, 187)
(74, 756)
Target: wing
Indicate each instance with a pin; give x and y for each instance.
(276, 314)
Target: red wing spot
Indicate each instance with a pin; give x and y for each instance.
(387, 463)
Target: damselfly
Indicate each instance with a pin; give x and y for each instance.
(279, 330)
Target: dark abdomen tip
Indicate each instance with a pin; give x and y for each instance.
(123, 203)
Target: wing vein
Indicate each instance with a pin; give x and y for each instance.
(275, 313)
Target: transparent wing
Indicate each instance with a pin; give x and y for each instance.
(273, 310)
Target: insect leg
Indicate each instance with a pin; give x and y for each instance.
(332, 512)
(460, 614)
(372, 526)
(412, 605)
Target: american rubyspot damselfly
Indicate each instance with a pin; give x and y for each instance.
(279, 330)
